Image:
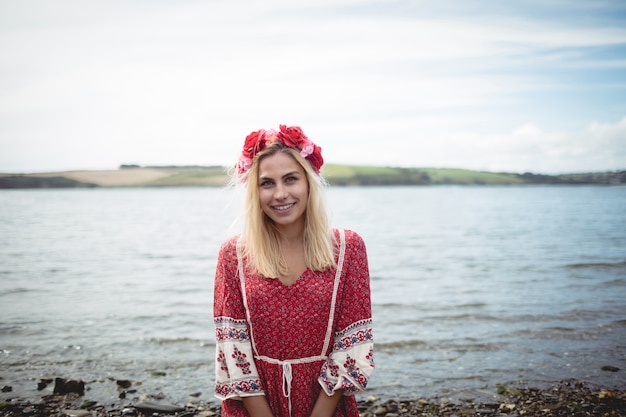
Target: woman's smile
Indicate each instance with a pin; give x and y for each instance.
(284, 207)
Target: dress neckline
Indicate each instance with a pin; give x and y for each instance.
(298, 279)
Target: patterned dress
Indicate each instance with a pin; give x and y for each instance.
(290, 342)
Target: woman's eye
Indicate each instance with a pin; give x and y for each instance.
(291, 179)
(266, 183)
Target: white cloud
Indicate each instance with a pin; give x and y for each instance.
(101, 83)
(528, 148)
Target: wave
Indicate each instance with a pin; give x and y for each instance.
(471, 345)
(460, 317)
(6, 328)
(616, 283)
(426, 307)
(179, 340)
(471, 305)
(18, 290)
(572, 334)
(599, 265)
(147, 255)
(401, 344)
(574, 315)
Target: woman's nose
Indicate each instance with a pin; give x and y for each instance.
(280, 192)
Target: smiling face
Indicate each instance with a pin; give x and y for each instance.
(283, 191)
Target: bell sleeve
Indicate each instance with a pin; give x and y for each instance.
(351, 361)
(236, 374)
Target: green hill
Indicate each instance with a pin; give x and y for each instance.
(337, 175)
(365, 175)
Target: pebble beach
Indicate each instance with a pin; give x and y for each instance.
(569, 398)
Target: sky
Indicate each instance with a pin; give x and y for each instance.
(514, 86)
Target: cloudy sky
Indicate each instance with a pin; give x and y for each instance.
(534, 85)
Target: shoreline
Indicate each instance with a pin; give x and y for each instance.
(335, 174)
(570, 398)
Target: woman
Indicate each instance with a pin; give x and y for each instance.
(292, 298)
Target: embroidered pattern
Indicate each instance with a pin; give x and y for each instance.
(370, 357)
(229, 329)
(233, 388)
(359, 332)
(221, 361)
(354, 371)
(350, 344)
(241, 361)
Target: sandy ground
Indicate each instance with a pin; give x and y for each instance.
(121, 177)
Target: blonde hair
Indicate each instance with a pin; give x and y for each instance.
(260, 235)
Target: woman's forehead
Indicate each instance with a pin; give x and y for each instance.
(278, 164)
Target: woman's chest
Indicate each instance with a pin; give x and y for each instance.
(308, 300)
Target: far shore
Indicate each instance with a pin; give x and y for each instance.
(340, 175)
(110, 178)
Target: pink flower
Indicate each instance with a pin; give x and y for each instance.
(244, 164)
(307, 150)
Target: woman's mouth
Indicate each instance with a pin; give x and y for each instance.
(283, 207)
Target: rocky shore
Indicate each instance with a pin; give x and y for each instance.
(566, 398)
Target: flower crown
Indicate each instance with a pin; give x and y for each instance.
(291, 136)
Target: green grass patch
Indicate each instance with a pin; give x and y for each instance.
(212, 176)
(468, 177)
(370, 175)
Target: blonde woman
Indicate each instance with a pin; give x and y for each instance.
(292, 297)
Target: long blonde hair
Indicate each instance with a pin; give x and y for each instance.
(260, 235)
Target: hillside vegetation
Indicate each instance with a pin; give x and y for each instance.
(367, 175)
(338, 175)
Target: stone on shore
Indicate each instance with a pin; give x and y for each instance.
(64, 386)
(76, 413)
(158, 408)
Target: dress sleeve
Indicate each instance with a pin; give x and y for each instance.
(236, 373)
(351, 360)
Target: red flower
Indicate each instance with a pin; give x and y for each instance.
(292, 136)
(316, 159)
(255, 142)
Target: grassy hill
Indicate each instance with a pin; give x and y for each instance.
(365, 175)
(338, 175)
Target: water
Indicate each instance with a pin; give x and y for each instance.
(471, 286)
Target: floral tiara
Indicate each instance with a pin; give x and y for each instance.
(291, 136)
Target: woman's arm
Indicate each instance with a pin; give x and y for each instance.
(325, 405)
(236, 375)
(257, 406)
(350, 361)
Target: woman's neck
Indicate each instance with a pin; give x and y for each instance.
(292, 234)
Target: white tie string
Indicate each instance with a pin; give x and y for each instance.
(287, 377)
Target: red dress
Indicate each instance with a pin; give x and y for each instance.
(289, 342)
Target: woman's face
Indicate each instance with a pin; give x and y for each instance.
(283, 190)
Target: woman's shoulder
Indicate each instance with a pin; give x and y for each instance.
(229, 246)
(352, 237)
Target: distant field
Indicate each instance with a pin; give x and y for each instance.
(128, 177)
(342, 175)
(367, 175)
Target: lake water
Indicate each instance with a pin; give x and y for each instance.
(471, 286)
